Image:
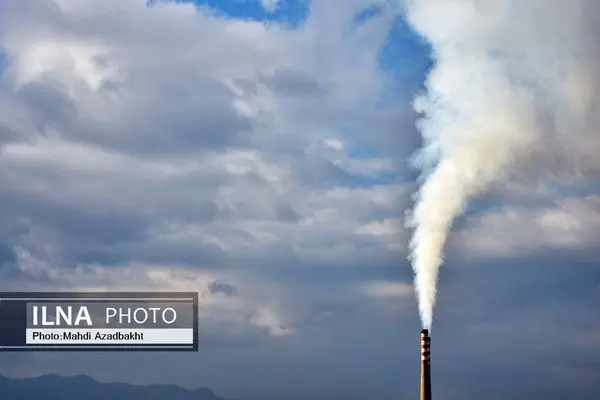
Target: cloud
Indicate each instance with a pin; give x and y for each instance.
(270, 5)
(267, 319)
(389, 289)
(120, 146)
(229, 306)
(569, 224)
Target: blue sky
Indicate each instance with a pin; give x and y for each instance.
(172, 146)
(291, 12)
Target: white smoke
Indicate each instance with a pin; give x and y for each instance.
(513, 90)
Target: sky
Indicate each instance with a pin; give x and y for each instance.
(265, 146)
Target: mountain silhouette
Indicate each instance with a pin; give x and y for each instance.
(56, 387)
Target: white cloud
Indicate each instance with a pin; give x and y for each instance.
(139, 114)
(270, 5)
(571, 224)
(389, 289)
(267, 319)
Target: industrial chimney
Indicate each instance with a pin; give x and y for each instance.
(425, 366)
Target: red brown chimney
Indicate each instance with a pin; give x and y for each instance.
(425, 365)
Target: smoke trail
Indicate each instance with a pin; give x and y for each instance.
(513, 89)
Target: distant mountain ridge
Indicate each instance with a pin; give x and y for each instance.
(83, 387)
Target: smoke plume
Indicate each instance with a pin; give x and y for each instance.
(513, 91)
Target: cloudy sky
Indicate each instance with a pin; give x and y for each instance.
(258, 152)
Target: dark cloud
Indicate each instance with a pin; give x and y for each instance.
(287, 82)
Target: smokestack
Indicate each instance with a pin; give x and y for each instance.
(425, 366)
